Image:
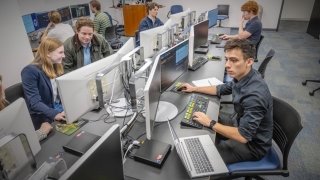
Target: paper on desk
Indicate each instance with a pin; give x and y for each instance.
(207, 82)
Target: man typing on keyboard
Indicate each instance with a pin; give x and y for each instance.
(249, 135)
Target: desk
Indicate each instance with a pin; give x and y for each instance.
(173, 167)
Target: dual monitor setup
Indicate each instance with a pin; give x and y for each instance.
(34, 22)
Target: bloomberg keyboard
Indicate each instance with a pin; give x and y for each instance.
(198, 62)
(195, 104)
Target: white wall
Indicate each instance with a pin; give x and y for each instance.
(297, 10)
(15, 49)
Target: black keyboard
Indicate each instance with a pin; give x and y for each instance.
(198, 62)
(195, 104)
(198, 156)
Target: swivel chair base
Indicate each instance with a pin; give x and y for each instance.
(311, 93)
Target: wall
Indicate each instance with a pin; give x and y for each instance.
(297, 10)
(14, 47)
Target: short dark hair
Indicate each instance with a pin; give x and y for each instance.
(96, 4)
(248, 50)
(151, 5)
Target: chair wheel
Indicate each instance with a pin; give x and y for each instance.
(304, 83)
(255, 60)
(311, 93)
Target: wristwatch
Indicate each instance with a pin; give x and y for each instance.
(212, 123)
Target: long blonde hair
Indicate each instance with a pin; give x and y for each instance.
(3, 102)
(47, 46)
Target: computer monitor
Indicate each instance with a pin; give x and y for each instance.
(156, 110)
(200, 33)
(29, 22)
(102, 161)
(179, 18)
(43, 19)
(15, 119)
(78, 90)
(80, 10)
(65, 13)
(223, 9)
(149, 40)
(212, 17)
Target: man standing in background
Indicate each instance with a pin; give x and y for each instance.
(101, 20)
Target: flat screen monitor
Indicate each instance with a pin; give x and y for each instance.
(15, 119)
(65, 13)
(174, 63)
(43, 19)
(212, 17)
(200, 33)
(78, 90)
(80, 10)
(156, 110)
(148, 40)
(102, 161)
(178, 19)
(29, 22)
(223, 9)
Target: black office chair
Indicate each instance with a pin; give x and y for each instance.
(112, 33)
(304, 83)
(174, 9)
(263, 66)
(286, 126)
(257, 47)
(14, 92)
(223, 13)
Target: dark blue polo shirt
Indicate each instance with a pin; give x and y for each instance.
(145, 24)
(254, 26)
(254, 107)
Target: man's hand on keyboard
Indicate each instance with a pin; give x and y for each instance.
(187, 88)
(202, 118)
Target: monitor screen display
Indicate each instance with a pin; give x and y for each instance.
(80, 10)
(29, 22)
(200, 34)
(43, 19)
(174, 63)
(102, 161)
(213, 17)
(65, 13)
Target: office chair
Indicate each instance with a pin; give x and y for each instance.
(286, 126)
(304, 83)
(223, 13)
(257, 47)
(14, 92)
(174, 9)
(112, 33)
(263, 65)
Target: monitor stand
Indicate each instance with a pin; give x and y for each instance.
(118, 109)
(166, 111)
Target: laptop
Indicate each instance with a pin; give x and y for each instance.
(198, 155)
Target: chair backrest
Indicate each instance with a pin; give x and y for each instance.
(14, 92)
(174, 9)
(223, 9)
(263, 66)
(110, 18)
(258, 45)
(110, 33)
(286, 127)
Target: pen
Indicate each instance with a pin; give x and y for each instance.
(209, 82)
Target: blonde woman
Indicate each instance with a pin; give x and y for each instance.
(39, 85)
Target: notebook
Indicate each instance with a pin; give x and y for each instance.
(80, 143)
(198, 155)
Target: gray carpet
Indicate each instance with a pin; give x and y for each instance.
(296, 59)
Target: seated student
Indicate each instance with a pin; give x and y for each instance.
(85, 46)
(150, 21)
(56, 29)
(249, 136)
(253, 28)
(45, 127)
(101, 20)
(39, 84)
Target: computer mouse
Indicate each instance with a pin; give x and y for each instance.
(181, 88)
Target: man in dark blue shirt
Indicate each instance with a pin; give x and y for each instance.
(253, 28)
(249, 135)
(150, 21)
